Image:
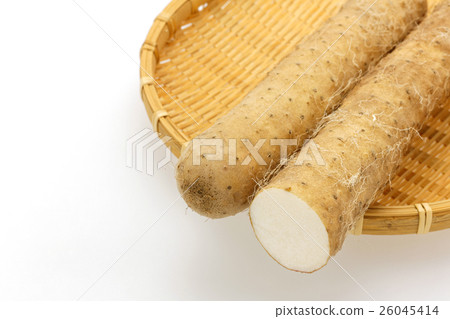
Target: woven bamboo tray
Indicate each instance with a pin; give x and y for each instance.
(201, 58)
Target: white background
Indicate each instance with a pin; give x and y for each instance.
(69, 206)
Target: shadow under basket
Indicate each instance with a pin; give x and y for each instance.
(201, 58)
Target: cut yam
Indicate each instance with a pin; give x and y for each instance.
(361, 144)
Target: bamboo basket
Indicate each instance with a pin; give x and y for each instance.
(201, 58)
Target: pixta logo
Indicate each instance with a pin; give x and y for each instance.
(217, 150)
(146, 151)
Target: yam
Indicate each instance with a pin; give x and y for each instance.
(289, 103)
(302, 216)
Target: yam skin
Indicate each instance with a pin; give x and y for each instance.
(362, 142)
(322, 77)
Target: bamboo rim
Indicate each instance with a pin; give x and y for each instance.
(431, 212)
